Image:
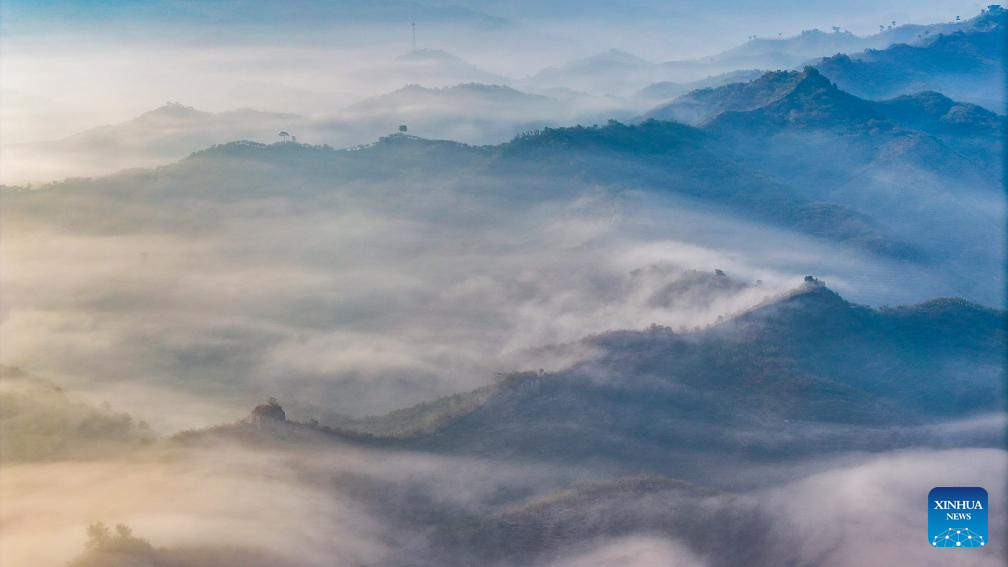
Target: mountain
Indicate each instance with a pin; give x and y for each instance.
(691, 438)
(776, 53)
(965, 65)
(802, 100)
(442, 63)
(701, 105)
(912, 157)
(796, 51)
(622, 73)
(179, 128)
(934, 112)
(608, 72)
(471, 113)
(429, 67)
(892, 202)
(714, 165)
(805, 373)
(167, 133)
(722, 528)
(890, 166)
(662, 157)
(926, 129)
(799, 96)
(667, 90)
(40, 422)
(781, 125)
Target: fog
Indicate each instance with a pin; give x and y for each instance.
(435, 305)
(882, 495)
(430, 309)
(215, 498)
(365, 297)
(65, 71)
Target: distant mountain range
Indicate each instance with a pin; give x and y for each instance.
(756, 153)
(656, 156)
(666, 90)
(758, 157)
(175, 128)
(620, 72)
(805, 97)
(429, 67)
(462, 102)
(788, 52)
(473, 113)
(609, 72)
(155, 137)
(966, 64)
(908, 157)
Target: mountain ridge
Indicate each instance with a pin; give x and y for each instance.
(784, 364)
(965, 65)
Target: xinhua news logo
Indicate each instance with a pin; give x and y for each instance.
(957, 516)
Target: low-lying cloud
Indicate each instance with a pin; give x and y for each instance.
(367, 507)
(370, 301)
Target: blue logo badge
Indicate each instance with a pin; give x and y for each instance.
(957, 517)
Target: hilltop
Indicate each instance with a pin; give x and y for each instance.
(809, 98)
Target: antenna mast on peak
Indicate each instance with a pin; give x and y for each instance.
(413, 24)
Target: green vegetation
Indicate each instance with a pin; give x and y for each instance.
(423, 418)
(120, 548)
(39, 422)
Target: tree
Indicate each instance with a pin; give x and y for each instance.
(403, 129)
(98, 535)
(104, 549)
